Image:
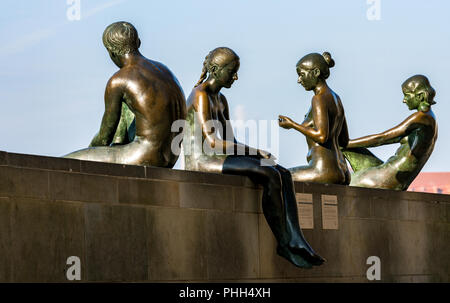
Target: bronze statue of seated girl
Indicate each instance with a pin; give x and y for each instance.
(205, 104)
(416, 135)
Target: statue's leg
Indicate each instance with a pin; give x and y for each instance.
(304, 173)
(130, 153)
(361, 158)
(297, 242)
(99, 153)
(273, 203)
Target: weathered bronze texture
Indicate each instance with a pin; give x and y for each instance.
(152, 94)
(417, 135)
(126, 129)
(324, 126)
(206, 104)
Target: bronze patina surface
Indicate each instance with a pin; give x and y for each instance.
(417, 135)
(324, 127)
(205, 104)
(152, 94)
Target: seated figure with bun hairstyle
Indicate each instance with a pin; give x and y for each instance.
(324, 127)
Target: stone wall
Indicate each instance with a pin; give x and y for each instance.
(130, 223)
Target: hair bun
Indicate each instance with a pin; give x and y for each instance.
(328, 59)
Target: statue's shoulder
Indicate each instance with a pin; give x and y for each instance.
(421, 118)
(199, 92)
(116, 80)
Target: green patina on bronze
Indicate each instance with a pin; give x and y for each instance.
(417, 135)
(126, 130)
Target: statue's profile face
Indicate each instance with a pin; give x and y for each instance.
(227, 74)
(411, 97)
(307, 77)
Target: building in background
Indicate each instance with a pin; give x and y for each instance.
(432, 183)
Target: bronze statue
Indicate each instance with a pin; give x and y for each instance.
(206, 104)
(417, 135)
(152, 94)
(324, 126)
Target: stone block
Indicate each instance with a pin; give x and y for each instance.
(200, 177)
(232, 245)
(438, 241)
(409, 248)
(427, 211)
(324, 189)
(203, 196)
(21, 182)
(354, 206)
(82, 187)
(148, 192)
(447, 207)
(6, 240)
(176, 244)
(389, 208)
(41, 162)
(116, 242)
(3, 158)
(247, 199)
(45, 234)
(272, 265)
(111, 169)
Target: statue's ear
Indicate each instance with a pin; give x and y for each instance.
(213, 70)
(139, 43)
(316, 72)
(421, 96)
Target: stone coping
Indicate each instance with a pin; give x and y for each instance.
(157, 173)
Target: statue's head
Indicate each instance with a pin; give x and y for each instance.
(221, 64)
(418, 93)
(313, 68)
(121, 38)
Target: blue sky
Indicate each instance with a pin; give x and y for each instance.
(53, 71)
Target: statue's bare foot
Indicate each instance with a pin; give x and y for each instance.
(308, 254)
(293, 258)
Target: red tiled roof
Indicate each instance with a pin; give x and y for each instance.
(432, 183)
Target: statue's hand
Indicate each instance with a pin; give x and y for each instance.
(285, 122)
(265, 154)
(350, 144)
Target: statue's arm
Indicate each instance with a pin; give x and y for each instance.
(343, 136)
(228, 134)
(320, 132)
(111, 117)
(203, 110)
(227, 130)
(393, 135)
